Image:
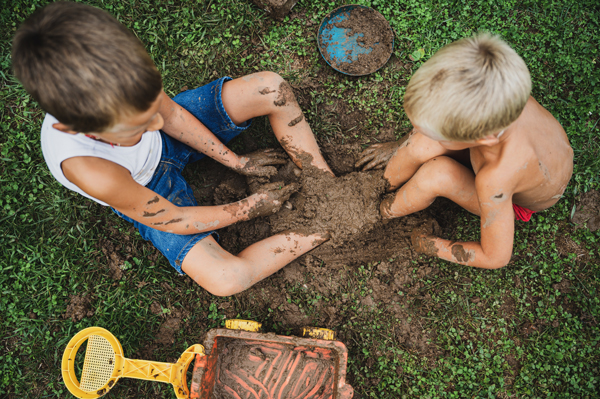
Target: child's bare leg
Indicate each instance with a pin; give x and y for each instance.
(438, 177)
(409, 157)
(224, 274)
(267, 93)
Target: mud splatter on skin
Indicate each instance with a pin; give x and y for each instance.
(266, 91)
(204, 226)
(285, 95)
(151, 214)
(319, 241)
(386, 204)
(173, 221)
(234, 208)
(299, 157)
(460, 254)
(295, 121)
(153, 200)
(498, 198)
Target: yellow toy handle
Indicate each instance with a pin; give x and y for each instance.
(175, 374)
(104, 364)
(244, 325)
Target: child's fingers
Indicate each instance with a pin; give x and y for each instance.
(367, 155)
(266, 171)
(364, 160)
(374, 164)
(288, 190)
(271, 187)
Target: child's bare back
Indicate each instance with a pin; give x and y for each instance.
(536, 155)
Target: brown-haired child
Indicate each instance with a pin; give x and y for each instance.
(114, 136)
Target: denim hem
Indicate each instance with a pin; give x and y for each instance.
(224, 115)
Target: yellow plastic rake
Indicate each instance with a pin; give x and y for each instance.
(104, 364)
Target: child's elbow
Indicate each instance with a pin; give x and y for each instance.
(225, 289)
(497, 263)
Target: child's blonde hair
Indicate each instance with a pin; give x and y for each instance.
(469, 89)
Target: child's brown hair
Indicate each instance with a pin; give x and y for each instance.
(83, 66)
(469, 89)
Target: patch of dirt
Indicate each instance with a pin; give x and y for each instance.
(170, 327)
(291, 315)
(566, 246)
(376, 35)
(587, 211)
(114, 259)
(564, 287)
(508, 307)
(386, 239)
(78, 307)
(341, 157)
(156, 309)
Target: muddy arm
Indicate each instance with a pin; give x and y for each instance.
(113, 184)
(493, 252)
(184, 127)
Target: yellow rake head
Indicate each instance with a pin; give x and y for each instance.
(104, 364)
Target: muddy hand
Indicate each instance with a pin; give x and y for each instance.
(423, 240)
(377, 156)
(385, 208)
(260, 163)
(271, 197)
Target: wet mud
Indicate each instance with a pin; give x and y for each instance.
(344, 206)
(272, 370)
(377, 35)
(285, 95)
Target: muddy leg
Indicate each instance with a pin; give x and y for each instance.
(224, 274)
(409, 157)
(438, 177)
(266, 93)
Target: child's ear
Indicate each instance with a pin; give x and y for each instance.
(489, 140)
(63, 128)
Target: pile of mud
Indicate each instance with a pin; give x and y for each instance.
(343, 206)
(346, 206)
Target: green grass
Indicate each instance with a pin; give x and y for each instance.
(508, 333)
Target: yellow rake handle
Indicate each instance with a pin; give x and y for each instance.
(104, 364)
(172, 373)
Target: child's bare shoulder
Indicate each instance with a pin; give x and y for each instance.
(534, 162)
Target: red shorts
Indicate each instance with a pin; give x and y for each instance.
(522, 214)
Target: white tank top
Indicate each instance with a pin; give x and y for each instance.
(141, 159)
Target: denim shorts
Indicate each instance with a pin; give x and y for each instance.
(205, 104)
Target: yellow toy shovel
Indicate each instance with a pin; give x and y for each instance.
(104, 364)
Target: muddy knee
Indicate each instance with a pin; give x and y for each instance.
(276, 91)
